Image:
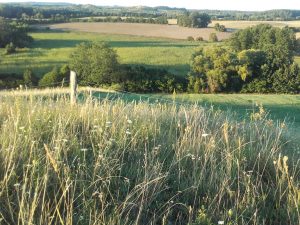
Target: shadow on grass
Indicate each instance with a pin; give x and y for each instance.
(57, 43)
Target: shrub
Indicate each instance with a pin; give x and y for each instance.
(51, 79)
(190, 38)
(10, 48)
(213, 37)
(220, 28)
(29, 78)
(199, 39)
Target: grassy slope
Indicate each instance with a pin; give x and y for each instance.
(117, 163)
(53, 48)
(279, 107)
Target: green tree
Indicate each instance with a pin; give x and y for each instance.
(94, 63)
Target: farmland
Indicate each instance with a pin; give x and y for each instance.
(118, 157)
(53, 48)
(147, 30)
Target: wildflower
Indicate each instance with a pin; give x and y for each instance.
(221, 222)
(205, 135)
(128, 132)
(84, 150)
(129, 121)
(17, 185)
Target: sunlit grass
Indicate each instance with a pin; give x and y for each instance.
(117, 162)
(54, 48)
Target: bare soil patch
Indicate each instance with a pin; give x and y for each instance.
(148, 30)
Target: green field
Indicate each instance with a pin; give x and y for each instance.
(53, 48)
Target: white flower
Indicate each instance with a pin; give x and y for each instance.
(221, 222)
(17, 185)
(205, 135)
(108, 124)
(128, 132)
(84, 149)
(129, 121)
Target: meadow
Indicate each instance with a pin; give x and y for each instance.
(53, 48)
(131, 162)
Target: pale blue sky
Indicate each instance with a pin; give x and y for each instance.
(248, 5)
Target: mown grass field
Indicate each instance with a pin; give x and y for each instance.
(53, 48)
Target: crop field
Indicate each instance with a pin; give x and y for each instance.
(237, 25)
(147, 30)
(53, 48)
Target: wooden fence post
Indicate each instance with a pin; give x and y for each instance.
(73, 87)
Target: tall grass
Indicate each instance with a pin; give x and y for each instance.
(137, 163)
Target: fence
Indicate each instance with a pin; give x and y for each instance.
(73, 93)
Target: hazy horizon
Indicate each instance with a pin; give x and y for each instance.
(254, 5)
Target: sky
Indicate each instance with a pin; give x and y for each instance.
(247, 5)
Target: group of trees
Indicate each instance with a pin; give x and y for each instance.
(97, 64)
(220, 28)
(194, 19)
(13, 34)
(258, 59)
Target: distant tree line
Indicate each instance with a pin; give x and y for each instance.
(57, 12)
(259, 59)
(158, 20)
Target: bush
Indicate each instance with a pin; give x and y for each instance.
(29, 78)
(50, 79)
(199, 39)
(220, 28)
(190, 38)
(10, 48)
(213, 37)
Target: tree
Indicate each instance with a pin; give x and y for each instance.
(214, 70)
(94, 63)
(194, 19)
(15, 33)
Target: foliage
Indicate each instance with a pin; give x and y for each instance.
(29, 78)
(220, 28)
(151, 80)
(10, 48)
(190, 38)
(15, 33)
(55, 77)
(95, 63)
(194, 19)
(213, 37)
(199, 39)
(258, 59)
